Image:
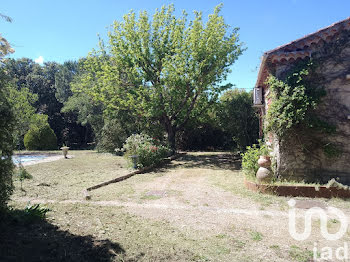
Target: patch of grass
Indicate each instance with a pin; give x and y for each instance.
(234, 182)
(28, 215)
(69, 177)
(300, 254)
(150, 197)
(256, 236)
(36, 211)
(23, 174)
(275, 247)
(221, 236)
(294, 183)
(199, 258)
(223, 250)
(239, 243)
(143, 239)
(152, 239)
(334, 221)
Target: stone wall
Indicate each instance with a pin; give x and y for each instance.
(296, 160)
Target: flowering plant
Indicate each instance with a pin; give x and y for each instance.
(148, 150)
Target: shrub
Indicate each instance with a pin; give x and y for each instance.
(148, 150)
(40, 138)
(23, 174)
(111, 136)
(35, 212)
(250, 158)
(6, 142)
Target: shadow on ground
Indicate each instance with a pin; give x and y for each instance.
(222, 161)
(23, 240)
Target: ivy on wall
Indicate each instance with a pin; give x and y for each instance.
(293, 104)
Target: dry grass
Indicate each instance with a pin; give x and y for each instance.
(190, 210)
(67, 178)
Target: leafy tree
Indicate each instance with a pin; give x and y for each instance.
(162, 70)
(40, 136)
(39, 80)
(88, 113)
(5, 47)
(63, 79)
(6, 128)
(6, 141)
(21, 102)
(238, 118)
(46, 88)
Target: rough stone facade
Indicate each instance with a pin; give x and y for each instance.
(300, 159)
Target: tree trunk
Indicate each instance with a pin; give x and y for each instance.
(171, 138)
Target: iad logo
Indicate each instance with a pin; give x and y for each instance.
(316, 211)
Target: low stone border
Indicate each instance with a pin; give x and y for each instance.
(121, 178)
(298, 191)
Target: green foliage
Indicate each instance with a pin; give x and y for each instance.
(112, 136)
(63, 79)
(23, 173)
(294, 100)
(5, 47)
(40, 138)
(6, 141)
(250, 158)
(238, 118)
(300, 254)
(320, 125)
(256, 236)
(203, 132)
(88, 111)
(35, 212)
(161, 70)
(148, 150)
(331, 150)
(203, 135)
(293, 105)
(49, 84)
(22, 102)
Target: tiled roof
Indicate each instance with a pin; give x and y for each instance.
(300, 48)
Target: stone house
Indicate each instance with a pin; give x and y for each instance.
(293, 160)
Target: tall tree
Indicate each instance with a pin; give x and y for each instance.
(238, 118)
(63, 79)
(162, 69)
(22, 105)
(6, 127)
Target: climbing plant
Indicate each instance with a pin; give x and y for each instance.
(294, 101)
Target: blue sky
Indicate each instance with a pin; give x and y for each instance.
(67, 30)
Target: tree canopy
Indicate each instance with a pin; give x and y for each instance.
(6, 128)
(238, 117)
(163, 69)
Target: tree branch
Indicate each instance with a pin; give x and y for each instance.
(189, 110)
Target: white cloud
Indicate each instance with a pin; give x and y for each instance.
(39, 60)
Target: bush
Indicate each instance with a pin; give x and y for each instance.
(148, 150)
(238, 118)
(250, 158)
(40, 138)
(35, 212)
(112, 136)
(6, 142)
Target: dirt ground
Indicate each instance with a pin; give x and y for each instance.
(194, 209)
